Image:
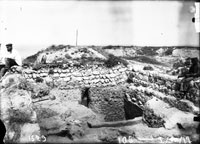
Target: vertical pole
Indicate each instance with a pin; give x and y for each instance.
(76, 37)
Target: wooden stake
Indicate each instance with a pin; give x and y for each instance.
(115, 123)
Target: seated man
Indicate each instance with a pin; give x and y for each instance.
(188, 78)
(10, 58)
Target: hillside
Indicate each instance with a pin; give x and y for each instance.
(165, 56)
(63, 53)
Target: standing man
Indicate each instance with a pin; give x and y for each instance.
(10, 58)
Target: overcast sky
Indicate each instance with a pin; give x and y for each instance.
(144, 23)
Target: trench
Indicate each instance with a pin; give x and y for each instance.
(113, 105)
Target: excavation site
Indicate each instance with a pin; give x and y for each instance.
(94, 94)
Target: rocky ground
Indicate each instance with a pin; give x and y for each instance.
(143, 109)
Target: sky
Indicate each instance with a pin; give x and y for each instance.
(34, 25)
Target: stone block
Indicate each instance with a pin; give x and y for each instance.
(56, 74)
(112, 75)
(34, 75)
(77, 74)
(55, 70)
(95, 72)
(44, 74)
(62, 75)
(64, 70)
(26, 76)
(92, 77)
(28, 71)
(66, 79)
(86, 78)
(77, 78)
(59, 71)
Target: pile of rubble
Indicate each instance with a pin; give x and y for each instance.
(17, 112)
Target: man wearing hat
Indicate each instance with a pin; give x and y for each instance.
(10, 58)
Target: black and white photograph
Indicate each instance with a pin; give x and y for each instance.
(99, 71)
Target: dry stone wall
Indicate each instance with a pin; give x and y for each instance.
(165, 84)
(140, 95)
(95, 76)
(77, 77)
(146, 84)
(99, 76)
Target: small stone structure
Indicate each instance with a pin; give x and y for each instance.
(108, 101)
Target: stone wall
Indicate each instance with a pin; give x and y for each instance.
(108, 101)
(95, 76)
(165, 84)
(99, 76)
(88, 76)
(140, 95)
(149, 87)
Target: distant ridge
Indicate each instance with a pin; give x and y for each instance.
(149, 50)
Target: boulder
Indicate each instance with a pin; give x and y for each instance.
(169, 117)
(109, 135)
(49, 81)
(112, 135)
(30, 133)
(10, 79)
(17, 69)
(51, 124)
(69, 120)
(17, 106)
(40, 90)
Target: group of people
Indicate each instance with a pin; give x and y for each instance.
(8, 58)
